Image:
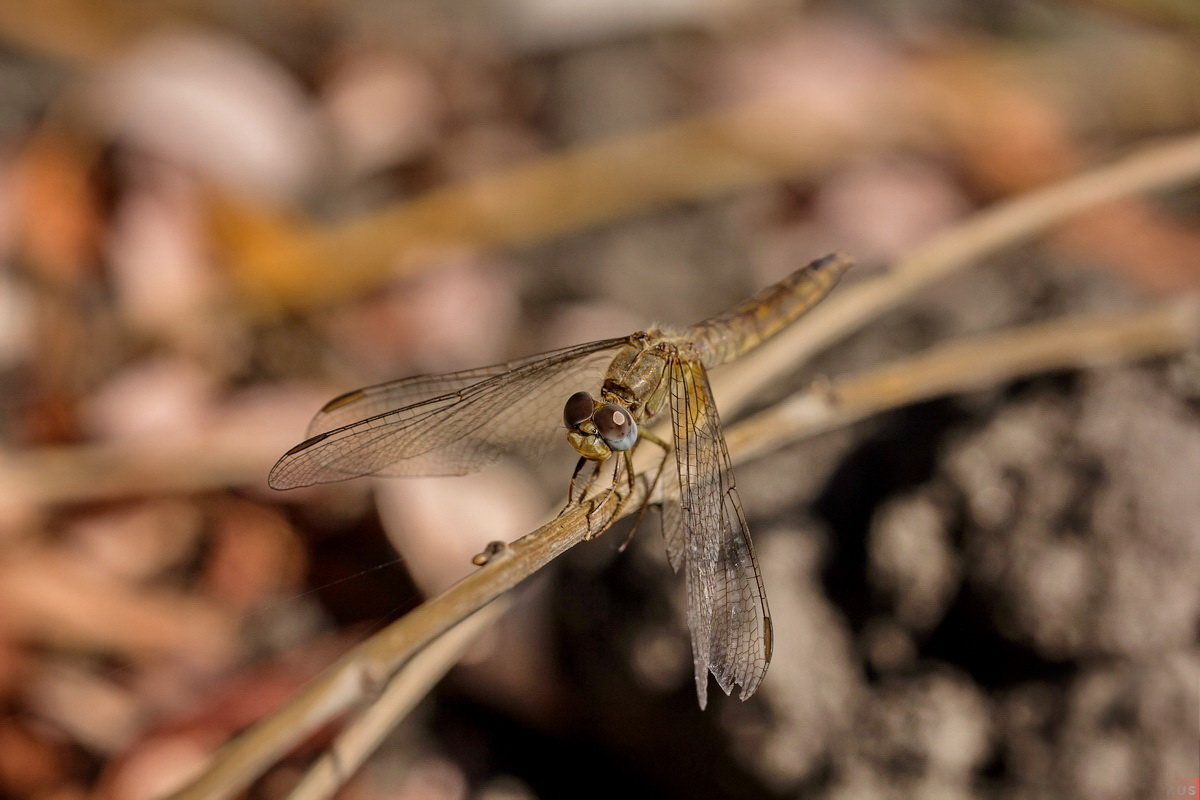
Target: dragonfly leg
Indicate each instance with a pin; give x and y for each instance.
(646, 501)
(596, 530)
(571, 486)
(666, 449)
(630, 475)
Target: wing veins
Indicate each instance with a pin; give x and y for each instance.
(348, 450)
(727, 607)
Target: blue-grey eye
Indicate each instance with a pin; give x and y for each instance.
(615, 426)
(578, 409)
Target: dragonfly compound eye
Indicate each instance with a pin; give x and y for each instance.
(578, 409)
(616, 426)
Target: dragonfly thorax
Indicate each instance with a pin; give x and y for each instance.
(636, 379)
(596, 428)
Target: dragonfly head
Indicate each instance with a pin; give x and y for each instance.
(596, 429)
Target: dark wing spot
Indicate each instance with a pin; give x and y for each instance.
(338, 402)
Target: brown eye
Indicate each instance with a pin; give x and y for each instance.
(578, 409)
(616, 426)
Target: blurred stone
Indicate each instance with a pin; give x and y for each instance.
(56, 206)
(926, 732)
(662, 661)
(458, 315)
(160, 765)
(912, 560)
(212, 102)
(438, 524)
(840, 71)
(156, 249)
(889, 647)
(93, 710)
(31, 765)
(815, 680)
(433, 778)
(138, 542)
(254, 556)
(383, 108)
(879, 210)
(505, 788)
(16, 323)
(1093, 547)
(164, 397)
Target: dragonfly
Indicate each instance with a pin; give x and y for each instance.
(459, 422)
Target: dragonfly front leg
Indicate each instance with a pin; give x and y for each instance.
(586, 488)
(594, 529)
(662, 464)
(571, 486)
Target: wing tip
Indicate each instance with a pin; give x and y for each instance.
(702, 687)
(278, 478)
(277, 482)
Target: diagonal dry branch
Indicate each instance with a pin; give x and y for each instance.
(1170, 328)
(365, 668)
(963, 365)
(400, 694)
(973, 363)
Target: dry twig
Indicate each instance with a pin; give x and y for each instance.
(402, 692)
(957, 367)
(1173, 163)
(365, 668)
(974, 363)
(287, 261)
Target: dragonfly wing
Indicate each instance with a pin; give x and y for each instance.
(371, 401)
(671, 516)
(514, 410)
(727, 605)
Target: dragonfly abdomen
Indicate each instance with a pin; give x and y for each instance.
(732, 333)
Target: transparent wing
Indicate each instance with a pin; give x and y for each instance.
(371, 401)
(514, 408)
(671, 516)
(727, 606)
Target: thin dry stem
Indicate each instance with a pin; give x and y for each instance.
(367, 666)
(286, 263)
(1173, 163)
(49, 476)
(972, 363)
(360, 737)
